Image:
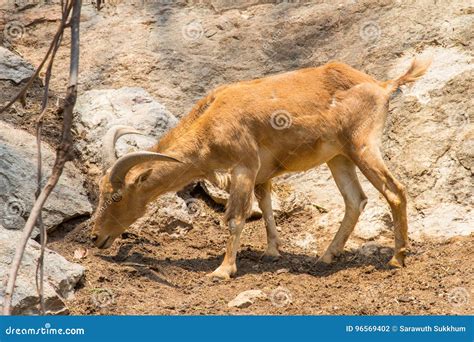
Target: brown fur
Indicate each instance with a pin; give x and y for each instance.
(335, 115)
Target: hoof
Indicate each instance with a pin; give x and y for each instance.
(269, 258)
(223, 272)
(272, 252)
(271, 255)
(397, 261)
(327, 258)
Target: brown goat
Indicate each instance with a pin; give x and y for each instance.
(256, 130)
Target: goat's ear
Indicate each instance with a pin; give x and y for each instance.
(143, 177)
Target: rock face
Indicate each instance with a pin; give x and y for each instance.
(18, 183)
(196, 46)
(13, 67)
(98, 110)
(428, 139)
(61, 276)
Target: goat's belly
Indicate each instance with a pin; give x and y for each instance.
(299, 158)
(304, 158)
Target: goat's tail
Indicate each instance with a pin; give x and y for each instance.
(417, 69)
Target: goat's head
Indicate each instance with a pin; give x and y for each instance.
(121, 200)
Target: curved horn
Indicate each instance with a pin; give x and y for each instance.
(110, 138)
(126, 162)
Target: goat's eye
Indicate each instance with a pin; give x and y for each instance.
(116, 197)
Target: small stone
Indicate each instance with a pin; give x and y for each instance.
(282, 270)
(80, 253)
(246, 298)
(369, 269)
(405, 299)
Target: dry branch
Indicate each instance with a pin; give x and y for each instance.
(39, 277)
(62, 153)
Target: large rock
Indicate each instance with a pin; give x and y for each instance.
(221, 196)
(13, 67)
(61, 276)
(98, 110)
(170, 214)
(18, 183)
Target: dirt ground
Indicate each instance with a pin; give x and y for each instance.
(147, 272)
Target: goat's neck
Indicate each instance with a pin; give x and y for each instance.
(165, 177)
(171, 176)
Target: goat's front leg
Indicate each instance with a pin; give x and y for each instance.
(238, 206)
(263, 192)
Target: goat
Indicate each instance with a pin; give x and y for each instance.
(256, 130)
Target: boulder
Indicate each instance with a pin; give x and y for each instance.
(61, 277)
(221, 196)
(18, 183)
(98, 110)
(13, 67)
(170, 214)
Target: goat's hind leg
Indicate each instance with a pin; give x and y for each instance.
(344, 172)
(263, 192)
(369, 160)
(238, 206)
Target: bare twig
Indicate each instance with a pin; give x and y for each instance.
(44, 105)
(62, 153)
